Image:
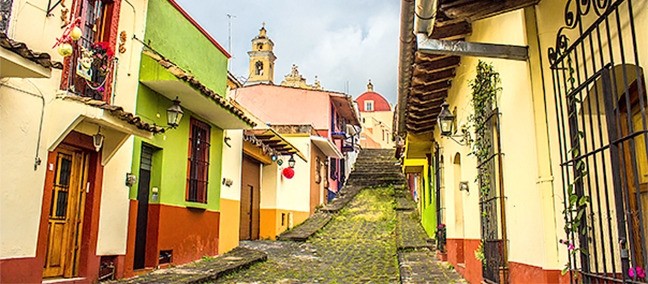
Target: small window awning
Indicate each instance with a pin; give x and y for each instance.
(171, 81)
(328, 148)
(270, 140)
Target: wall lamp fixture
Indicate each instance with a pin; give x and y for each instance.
(446, 122)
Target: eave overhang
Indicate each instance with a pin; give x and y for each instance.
(345, 108)
(270, 139)
(430, 50)
(327, 147)
(171, 81)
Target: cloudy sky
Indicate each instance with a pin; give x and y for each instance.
(343, 42)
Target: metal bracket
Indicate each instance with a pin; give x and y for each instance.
(464, 48)
(51, 8)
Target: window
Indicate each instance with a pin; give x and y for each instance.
(88, 72)
(369, 105)
(198, 161)
(259, 68)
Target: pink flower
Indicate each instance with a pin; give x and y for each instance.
(638, 272)
(570, 247)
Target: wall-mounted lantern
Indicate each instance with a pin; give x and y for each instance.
(97, 140)
(291, 161)
(446, 121)
(174, 114)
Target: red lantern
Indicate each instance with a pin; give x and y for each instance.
(288, 173)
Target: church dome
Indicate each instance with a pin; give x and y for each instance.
(379, 103)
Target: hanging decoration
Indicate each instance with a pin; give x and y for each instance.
(288, 172)
(72, 32)
(122, 42)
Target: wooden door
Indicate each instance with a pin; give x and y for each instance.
(66, 213)
(636, 161)
(250, 199)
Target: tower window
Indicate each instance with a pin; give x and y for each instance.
(258, 66)
(260, 46)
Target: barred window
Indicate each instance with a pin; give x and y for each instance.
(198, 162)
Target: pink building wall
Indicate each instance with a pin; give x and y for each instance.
(286, 105)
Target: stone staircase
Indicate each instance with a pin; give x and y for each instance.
(376, 167)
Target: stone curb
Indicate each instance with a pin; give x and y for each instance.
(203, 270)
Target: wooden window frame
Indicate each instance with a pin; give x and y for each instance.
(197, 177)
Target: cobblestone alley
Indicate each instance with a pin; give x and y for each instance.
(357, 246)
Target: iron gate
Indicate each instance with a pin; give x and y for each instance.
(491, 201)
(600, 104)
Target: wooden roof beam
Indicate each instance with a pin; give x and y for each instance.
(476, 10)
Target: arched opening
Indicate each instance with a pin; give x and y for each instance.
(258, 67)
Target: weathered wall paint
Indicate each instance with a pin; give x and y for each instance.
(171, 34)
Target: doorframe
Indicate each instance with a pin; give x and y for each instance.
(88, 259)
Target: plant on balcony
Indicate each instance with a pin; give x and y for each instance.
(94, 65)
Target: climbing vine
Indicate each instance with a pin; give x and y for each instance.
(485, 87)
(576, 203)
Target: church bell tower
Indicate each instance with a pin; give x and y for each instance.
(262, 59)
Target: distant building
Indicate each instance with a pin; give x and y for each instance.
(377, 116)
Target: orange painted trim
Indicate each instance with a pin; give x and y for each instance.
(256, 153)
(88, 259)
(129, 260)
(230, 221)
(525, 273)
(471, 268)
(191, 234)
(21, 270)
(200, 28)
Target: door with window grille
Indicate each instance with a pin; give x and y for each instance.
(65, 221)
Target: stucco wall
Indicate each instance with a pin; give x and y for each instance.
(174, 145)
(518, 144)
(22, 190)
(372, 125)
(172, 35)
(283, 105)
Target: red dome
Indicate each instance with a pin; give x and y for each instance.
(380, 103)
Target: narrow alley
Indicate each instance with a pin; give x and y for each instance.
(371, 234)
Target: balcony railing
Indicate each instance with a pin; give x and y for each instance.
(5, 14)
(90, 70)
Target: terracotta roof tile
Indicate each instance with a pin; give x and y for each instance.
(118, 112)
(196, 84)
(42, 59)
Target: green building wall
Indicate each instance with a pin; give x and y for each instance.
(176, 38)
(169, 172)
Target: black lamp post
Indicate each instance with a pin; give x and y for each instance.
(445, 120)
(174, 114)
(291, 161)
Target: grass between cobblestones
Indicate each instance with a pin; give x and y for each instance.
(357, 246)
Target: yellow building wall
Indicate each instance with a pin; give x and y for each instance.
(518, 140)
(230, 220)
(231, 195)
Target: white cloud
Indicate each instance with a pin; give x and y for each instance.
(340, 41)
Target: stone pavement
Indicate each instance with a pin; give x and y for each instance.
(202, 271)
(358, 245)
(316, 222)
